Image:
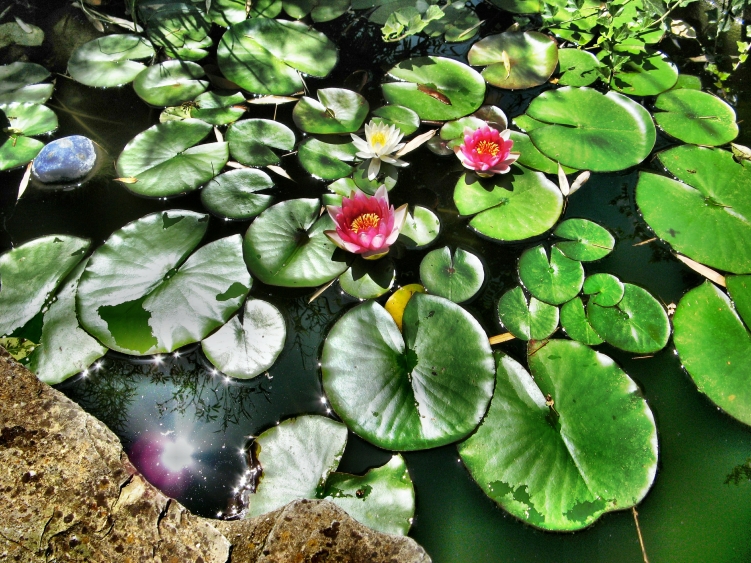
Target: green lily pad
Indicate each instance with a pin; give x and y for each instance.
(707, 215)
(553, 280)
(587, 241)
(140, 295)
(180, 28)
(65, 349)
(336, 111)
(645, 75)
(454, 130)
(218, 109)
(170, 83)
(509, 207)
(318, 11)
(574, 321)
(519, 6)
(696, 117)
(30, 273)
(638, 323)
(715, 349)
(411, 392)
(227, 12)
(533, 158)
(343, 187)
(19, 82)
(248, 347)
(606, 289)
(296, 458)
(164, 161)
(266, 56)
(420, 228)
(435, 87)
(285, 245)
(459, 23)
(588, 130)
(458, 276)
(515, 60)
(28, 119)
(326, 159)
(17, 151)
(563, 472)
(368, 279)
(739, 288)
(234, 194)
(110, 61)
(251, 140)
(687, 81)
(405, 119)
(535, 320)
(382, 499)
(387, 176)
(577, 67)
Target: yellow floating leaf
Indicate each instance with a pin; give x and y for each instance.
(399, 299)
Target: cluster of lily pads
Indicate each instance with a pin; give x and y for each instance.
(558, 443)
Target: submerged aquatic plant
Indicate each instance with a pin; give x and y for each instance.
(487, 151)
(366, 224)
(380, 142)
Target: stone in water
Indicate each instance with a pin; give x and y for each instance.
(65, 160)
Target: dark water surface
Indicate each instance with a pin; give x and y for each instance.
(175, 412)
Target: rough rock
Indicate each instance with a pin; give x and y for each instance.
(70, 494)
(65, 160)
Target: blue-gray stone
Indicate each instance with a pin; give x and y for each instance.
(65, 160)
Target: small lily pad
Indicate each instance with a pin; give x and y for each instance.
(458, 276)
(577, 67)
(218, 109)
(165, 160)
(285, 245)
(405, 119)
(170, 83)
(327, 159)
(515, 60)
(696, 117)
(606, 289)
(638, 323)
(387, 176)
(20, 82)
(227, 12)
(420, 228)
(553, 280)
(574, 321)
(234, 194)
(318, 11)
(368, 279)
(336, 111)
(646, 74)
(28, 119)
(251, 140)
(110, 61)
(244, 348)
(587, 241)
(535, 320)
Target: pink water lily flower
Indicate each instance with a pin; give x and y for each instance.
(366, 224)
(487, 151)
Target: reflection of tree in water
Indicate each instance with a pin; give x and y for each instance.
(109, 391)
(309, 320)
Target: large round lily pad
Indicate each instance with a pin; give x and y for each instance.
(410, 392)
(588, 130)
(561, 470)
(555, 279)
(166, 160)
(251, 140)
(31, 272)
(235, 194)
(647, 74)
(515, 60)
(577, 67)
(110, 61)
(637, 323)
(715, 348)
(285, 245)
(296, 458)
(435, 87)
(509, 207)
(245, 348)
(170, 83)
(696, 117)
(140, 295)
(707, 215)
(65, 349)
(266, 56)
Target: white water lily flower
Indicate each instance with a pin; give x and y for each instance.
(380, 142)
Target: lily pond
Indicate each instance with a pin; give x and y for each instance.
(477, 272)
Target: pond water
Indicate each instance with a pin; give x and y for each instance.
(176, 411)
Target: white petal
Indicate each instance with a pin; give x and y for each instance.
(373, 168)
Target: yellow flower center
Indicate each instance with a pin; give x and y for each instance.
(378, 138)
(364, 221)
(487, 147)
